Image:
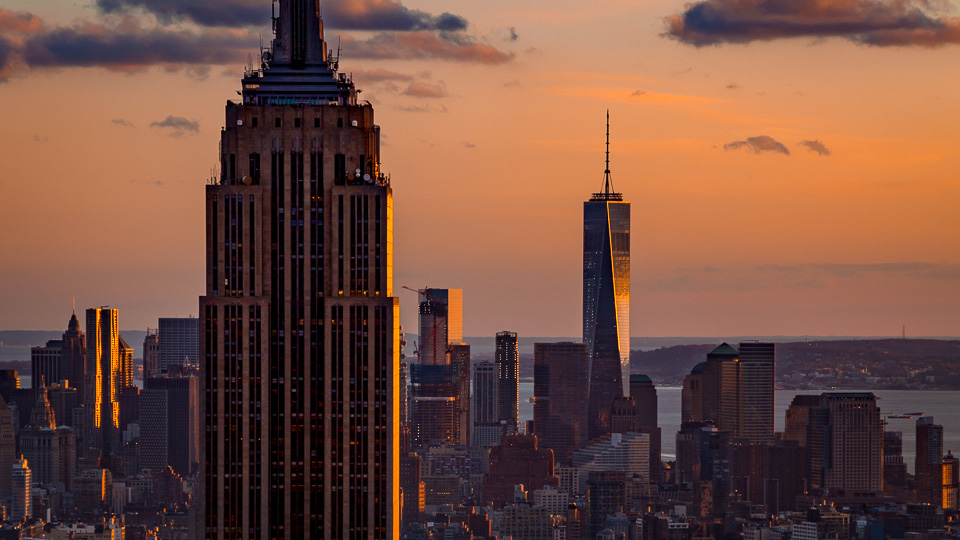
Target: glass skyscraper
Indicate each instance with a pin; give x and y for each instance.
(606, 299)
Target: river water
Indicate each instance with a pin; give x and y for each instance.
(944, 406)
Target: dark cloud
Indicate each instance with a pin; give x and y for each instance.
(758, 144)
(177, 126)
(231, 13)
(816, 146)
(422, 89)
(636, 93)
(199, 73)
(423, 45)
(733, 86)
(386, 15)
(6, 53)
(121, 122)
(40, 138)
(468, 145)
(130, 47)
(869, 22)
(513, 34)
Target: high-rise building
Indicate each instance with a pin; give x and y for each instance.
(22, 507)
(691, 395)
(73, 358)
(8, 448)
(486, 412)
(151, 354)
(440, 383)
(854, 464)
(929, 461)
(517, 460)
(46, 364)
(507, 357)
(606, 298)
(103, 381)
(951, 481)
(178, 342)
(125, 375)
(643, 391)
(299, 356)
(175, 417)
(50, 449)
(757, 386)
(894, 468)
(559, 410)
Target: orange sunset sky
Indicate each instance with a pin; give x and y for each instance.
(793, 166)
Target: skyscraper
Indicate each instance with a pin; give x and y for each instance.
(74, 359)
(507, 356)
(486, 413)
(606, 298)
(178, 341)
(854, 464)
(559, 410)
(298, 324)
(45, 364)
(22, 507)
(643, 391)
(929, 461)
(758, 385)
(102, 384)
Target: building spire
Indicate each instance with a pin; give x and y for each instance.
(299, 34)
(607, 194)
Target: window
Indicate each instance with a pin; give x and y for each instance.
(296, 122)
(316, 122)
(254, 121)
(339, 122)
(276, 122)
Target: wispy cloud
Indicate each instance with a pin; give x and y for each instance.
(422, 108)
(177, 126)
(468, 145)
(121, 122)
(424, 45)
(816, 146)
(869, 22)
(853, 270)
(422, 89)
(758, 145)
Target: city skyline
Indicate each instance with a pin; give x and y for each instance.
(805, 243)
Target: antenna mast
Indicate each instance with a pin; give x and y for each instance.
(607, 194)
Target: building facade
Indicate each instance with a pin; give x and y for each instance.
(103, 380)
(507, 357)
(177, 341)
(559, 410)
(299, 328)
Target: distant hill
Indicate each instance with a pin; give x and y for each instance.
(851, 363)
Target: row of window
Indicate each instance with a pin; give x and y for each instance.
(297, 122)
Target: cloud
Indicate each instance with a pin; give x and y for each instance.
(733, 86)
(468, 144)
(385, 15)
(758, 144)
(374, 76)
(816, 146)
(199, 73)
(177, 126)
(513, 33)
(868, 22)
(636, 93)
(6, 52)
(426, 90)
(131, 47)
(20, 22)
(421, 108)
(423, 45)
(232, 13)
(40, 139)
(846, 270)
(121, 122)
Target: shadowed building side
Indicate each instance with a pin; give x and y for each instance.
(299, 326)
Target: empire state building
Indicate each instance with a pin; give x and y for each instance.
(299, 323)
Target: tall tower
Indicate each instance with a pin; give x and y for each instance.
(606, 298)
(929, 461)
(507, 356)
(74, 366)
(102, 383)
(298, 348)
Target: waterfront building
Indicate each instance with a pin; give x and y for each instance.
(894, 468)
(691, 395)
(951, 481)
(8, 449)
(929, 462)
(644, 392)
(854, 465)
(606, 298)
(507, 358)
(21, 508)
(299, 331)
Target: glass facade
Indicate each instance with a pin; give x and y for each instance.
(606, 304)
